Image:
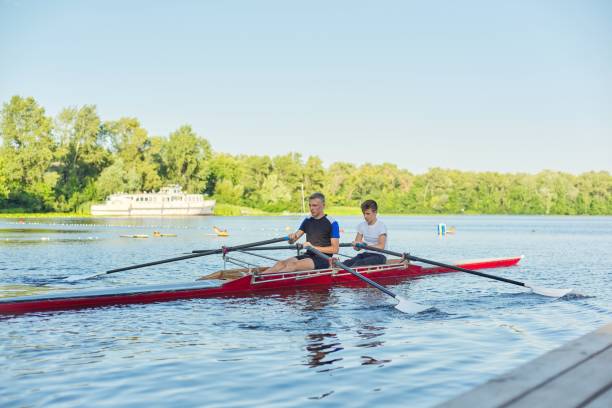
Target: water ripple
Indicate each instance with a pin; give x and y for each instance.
(330, 347)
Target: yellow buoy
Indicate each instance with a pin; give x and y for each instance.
(158, 234)
(220, 232)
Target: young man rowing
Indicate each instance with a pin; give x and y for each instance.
(373, 232)
(322, 232)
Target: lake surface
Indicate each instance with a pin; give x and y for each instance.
(328, 348)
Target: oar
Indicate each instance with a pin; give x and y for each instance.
(273, 248)
(556, 293)
(179, 258)
(404, 305)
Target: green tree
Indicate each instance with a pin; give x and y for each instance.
(132, 145)
(275, 194)
(27, 153)
(339, 183)
(113, 179)
(255, 170)
(224, 167)
(80, 154)
(227, 192)
(184, 157)
(314, 174)
(4, 182)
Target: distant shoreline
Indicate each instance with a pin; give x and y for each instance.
(331, 212)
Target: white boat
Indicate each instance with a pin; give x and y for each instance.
(168, 201)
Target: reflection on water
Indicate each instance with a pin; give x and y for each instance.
(318, 397)
(367, 360)
(369, 333)
(319, 346)
(313, 300)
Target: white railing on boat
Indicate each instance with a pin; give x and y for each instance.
(258, 278)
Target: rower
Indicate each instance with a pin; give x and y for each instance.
(322, 232)
(372, 232)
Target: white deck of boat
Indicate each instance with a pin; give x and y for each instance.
(116, 291)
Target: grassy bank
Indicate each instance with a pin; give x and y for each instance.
(226, 210)
(235, 210)
(230, 210)
(42, 215)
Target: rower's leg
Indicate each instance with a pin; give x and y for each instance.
(280, 265)
(305, 264)
(368, 259)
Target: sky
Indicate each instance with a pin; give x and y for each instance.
(518, 86)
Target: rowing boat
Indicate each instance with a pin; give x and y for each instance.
(248, 282)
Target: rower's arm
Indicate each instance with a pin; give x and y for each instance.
(295, 236)
(358, 239)
(332, 249)
(382, 241)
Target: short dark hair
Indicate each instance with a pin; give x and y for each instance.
(315, 196)
(369, 205)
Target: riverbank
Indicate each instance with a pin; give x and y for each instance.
(230, 210)
(224, 210)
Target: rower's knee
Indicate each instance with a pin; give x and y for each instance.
(290, 267)
(279, 266)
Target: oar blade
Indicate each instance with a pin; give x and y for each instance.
(549, 292)
(408, 307)
(75, 278)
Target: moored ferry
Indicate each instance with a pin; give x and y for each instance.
(169, 200)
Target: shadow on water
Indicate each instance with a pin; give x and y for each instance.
(576, 296)
(433, 313)
(51, 281)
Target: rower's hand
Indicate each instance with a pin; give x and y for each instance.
(293, 237)
(355, 247)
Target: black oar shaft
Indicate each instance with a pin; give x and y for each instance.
(163, 261)
(352, 271)
(443, 265)
(273, 248)
(203, 253)
(458, 268)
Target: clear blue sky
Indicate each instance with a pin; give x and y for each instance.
(471, 85)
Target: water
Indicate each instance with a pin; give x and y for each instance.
(332, 347)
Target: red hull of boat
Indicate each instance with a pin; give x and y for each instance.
(244, 286)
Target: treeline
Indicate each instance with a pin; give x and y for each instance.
(67, 162)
